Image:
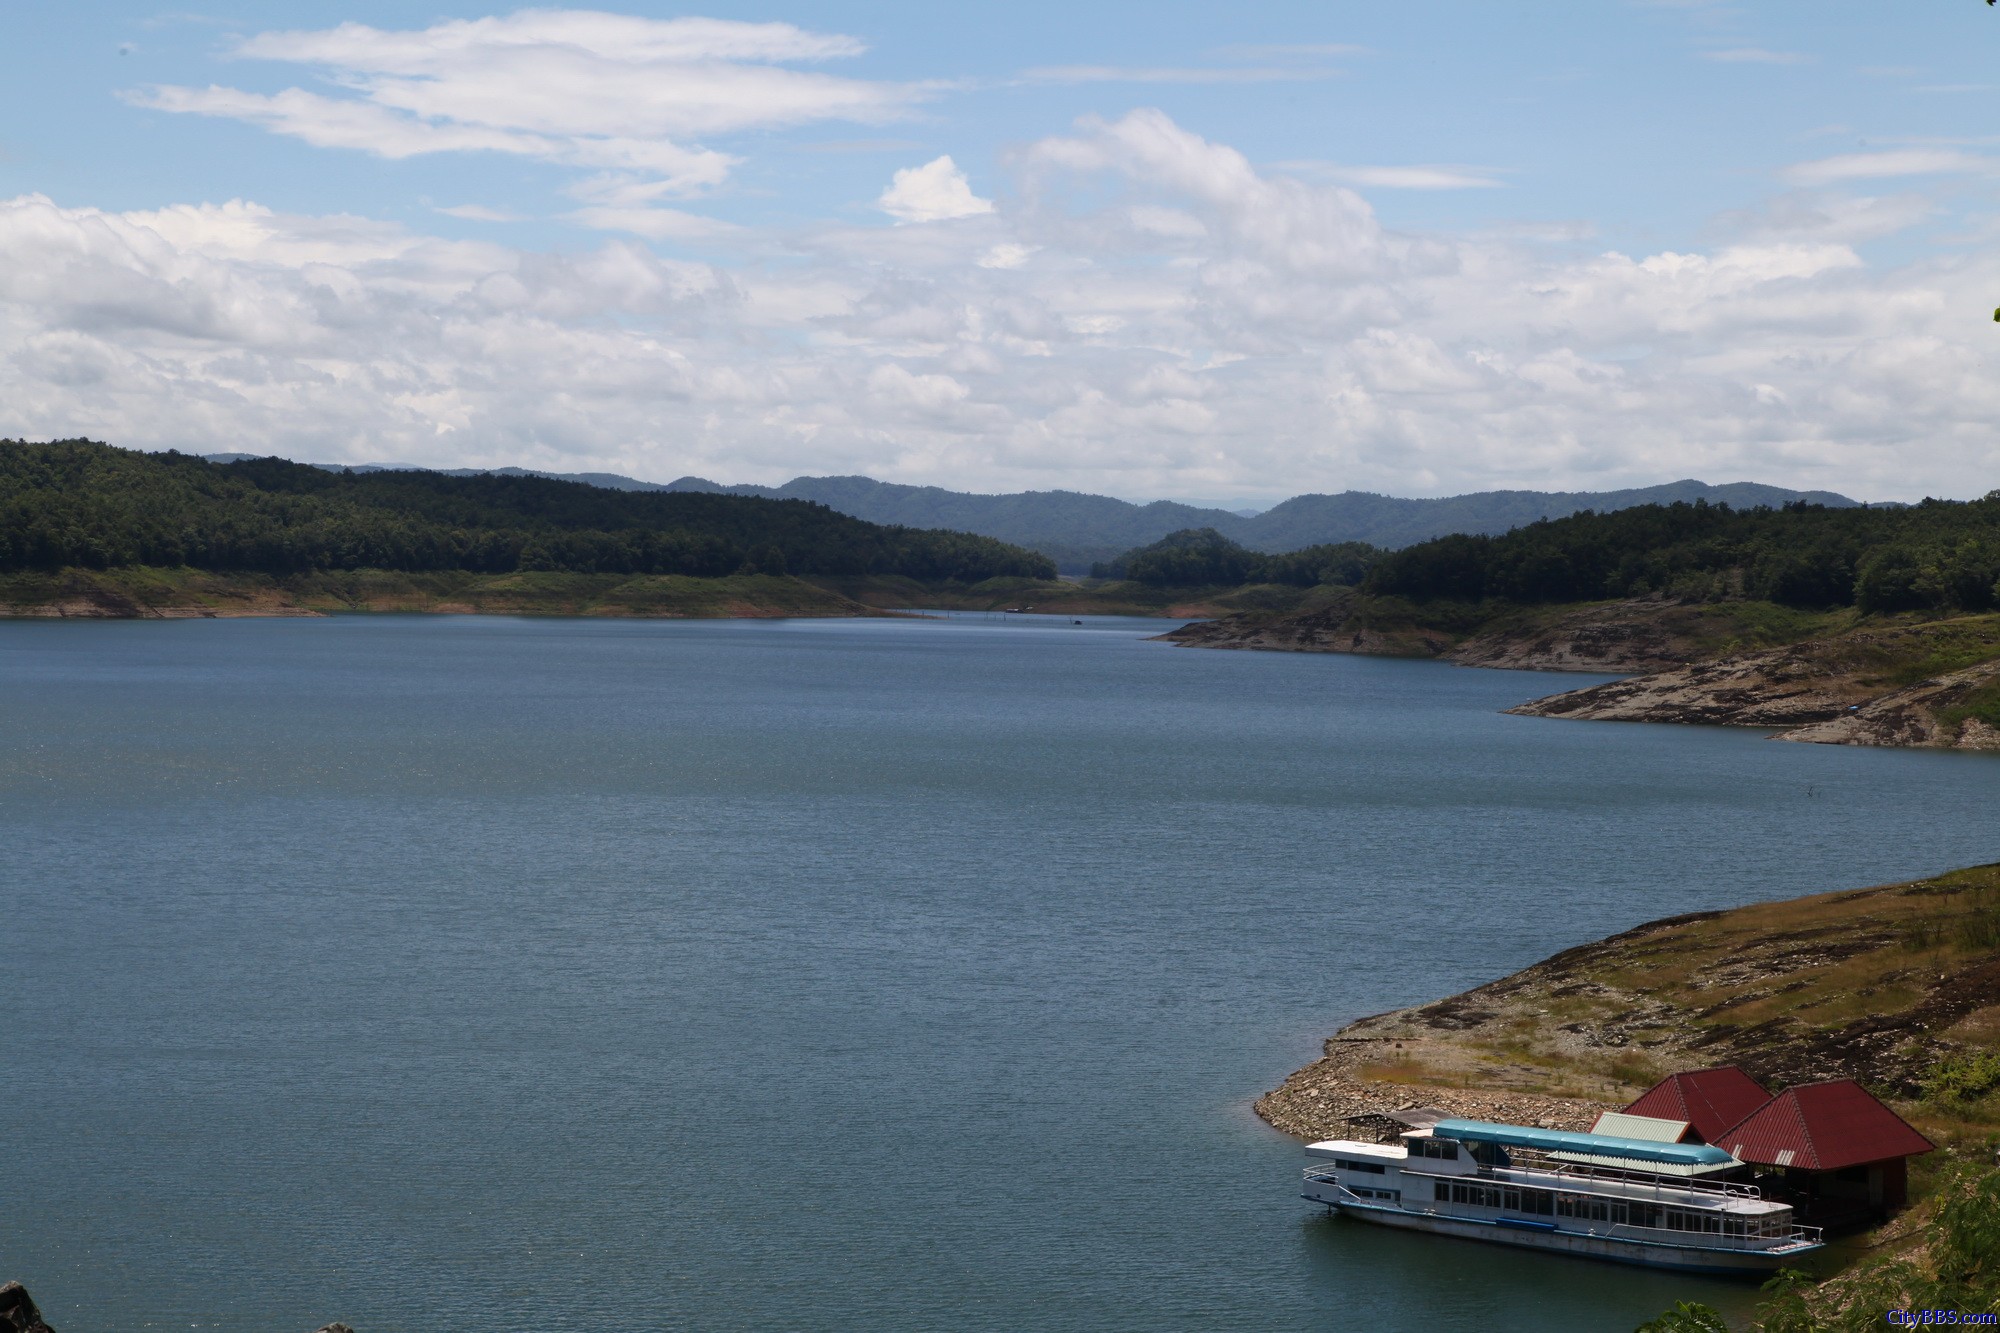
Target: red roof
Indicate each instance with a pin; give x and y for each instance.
(1822, 1127)
(1709, 1099)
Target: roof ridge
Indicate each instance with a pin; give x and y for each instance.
(1805, 1125)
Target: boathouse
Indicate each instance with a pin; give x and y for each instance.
(1708, 1101)
(1833, 1147)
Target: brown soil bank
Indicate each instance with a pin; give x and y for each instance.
(148, 593)
(1929, 684)
(1879, 985)
(141, 593)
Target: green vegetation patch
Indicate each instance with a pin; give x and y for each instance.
(1982, 704)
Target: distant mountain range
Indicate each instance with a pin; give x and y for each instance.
(1077, 530)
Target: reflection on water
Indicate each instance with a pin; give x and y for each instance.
(478, 973)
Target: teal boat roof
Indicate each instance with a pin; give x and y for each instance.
(1597, 1145)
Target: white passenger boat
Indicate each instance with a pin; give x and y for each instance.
(1664, 1205)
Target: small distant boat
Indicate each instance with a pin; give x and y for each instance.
(1017, 610)
(1662, 1205)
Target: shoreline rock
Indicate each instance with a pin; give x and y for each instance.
(18, 1313)
(1330, 1099)
(1826, 692)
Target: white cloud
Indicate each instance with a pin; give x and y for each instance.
(1399, 177)
(1893, 162)
(1146, 314)
(655, 224)
(1170, 74)
(1292, 51)
(934, 192)
(479, 213)
(1756, 55)
(580, 88)
(615, 37)
(1006, 255)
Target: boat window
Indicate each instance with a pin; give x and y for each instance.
(1373, 1168)
(1443, 1149)
(1584, 1206)
(1479, 1196)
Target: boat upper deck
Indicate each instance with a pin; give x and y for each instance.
(1599, 1165)
(1704, 1156)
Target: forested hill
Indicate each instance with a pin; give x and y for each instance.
(75, 503)
(1938, 555)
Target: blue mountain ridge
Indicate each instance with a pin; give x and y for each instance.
(1077, 530)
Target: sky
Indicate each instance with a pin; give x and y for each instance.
(1220, 253)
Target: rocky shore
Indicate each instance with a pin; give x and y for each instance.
(1844, 690)
(1333, 1098)
(1835, 679)
(19, 1315)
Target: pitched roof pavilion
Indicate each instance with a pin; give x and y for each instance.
(1822, 1127)
(1711, 1100)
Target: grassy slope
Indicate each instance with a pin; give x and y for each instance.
(1874, 984)
(1621, 635)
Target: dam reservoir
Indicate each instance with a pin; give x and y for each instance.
(476, 973)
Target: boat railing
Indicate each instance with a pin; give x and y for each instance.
(1665, 1190)
(1794, 1237)
(1619, 1175)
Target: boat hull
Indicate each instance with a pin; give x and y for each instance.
(1646, 1254)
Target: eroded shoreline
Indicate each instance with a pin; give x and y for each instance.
(1878, 985)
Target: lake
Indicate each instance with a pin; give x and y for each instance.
(513, 974)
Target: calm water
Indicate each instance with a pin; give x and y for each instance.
(486, 974)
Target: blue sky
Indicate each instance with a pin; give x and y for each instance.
(1214, 252)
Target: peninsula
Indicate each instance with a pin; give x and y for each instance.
(1895, 987)
(1847, 626)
